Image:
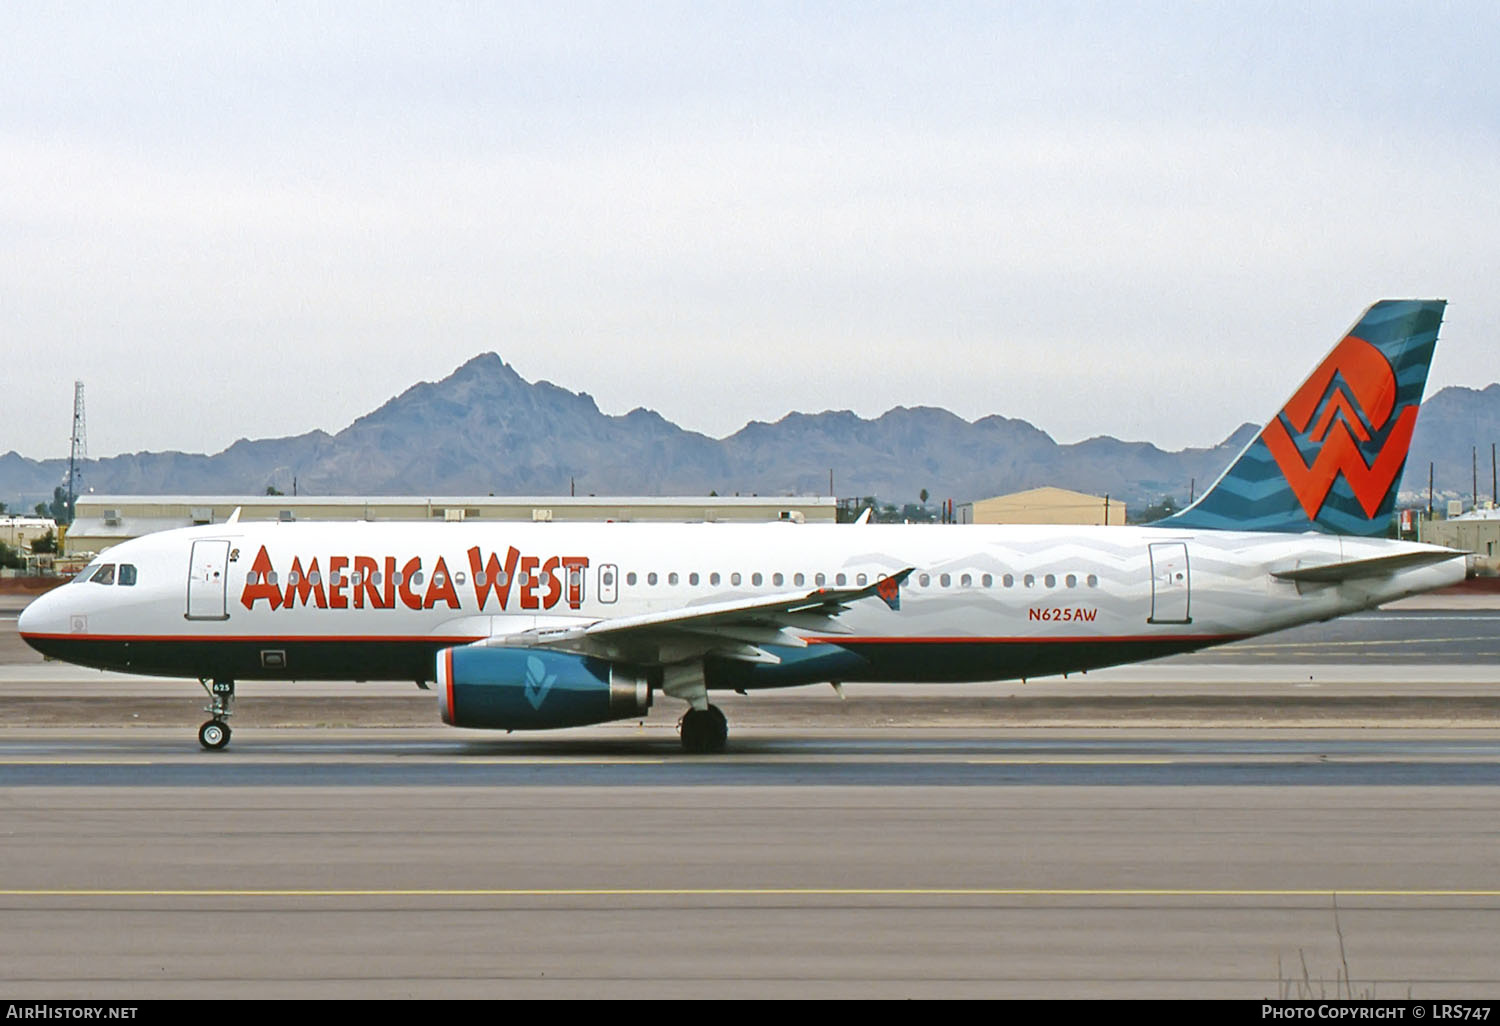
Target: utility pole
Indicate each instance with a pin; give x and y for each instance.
(78, 450)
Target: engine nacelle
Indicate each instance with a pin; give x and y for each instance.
(534, 689)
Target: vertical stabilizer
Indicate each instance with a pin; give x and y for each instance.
(1331, 459)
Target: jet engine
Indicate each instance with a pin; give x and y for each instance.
(533, 689)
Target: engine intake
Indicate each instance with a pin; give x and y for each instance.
(530, 689)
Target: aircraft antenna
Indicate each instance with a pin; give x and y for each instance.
(78, 450)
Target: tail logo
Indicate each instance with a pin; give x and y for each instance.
(889, 590)
(1351, 416)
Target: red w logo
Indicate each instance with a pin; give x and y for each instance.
(1372, 385)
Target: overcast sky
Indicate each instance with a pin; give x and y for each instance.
(248, 220)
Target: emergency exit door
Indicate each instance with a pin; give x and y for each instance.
(208, 580)
(1171, 584)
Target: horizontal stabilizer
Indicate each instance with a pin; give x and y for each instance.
(1377, 566)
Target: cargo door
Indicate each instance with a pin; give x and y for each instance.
(208, 581)
(1170, 583)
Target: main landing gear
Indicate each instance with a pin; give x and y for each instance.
(214, 734)
(703, 730)
(703, 727)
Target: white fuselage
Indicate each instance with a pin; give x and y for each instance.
(378, 600)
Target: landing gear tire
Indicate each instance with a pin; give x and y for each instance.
(214, 735)
(704, 731)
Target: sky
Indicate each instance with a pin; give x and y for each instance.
(1146, 220)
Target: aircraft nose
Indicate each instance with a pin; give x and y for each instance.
(35, 617)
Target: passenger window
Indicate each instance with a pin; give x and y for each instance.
(1008, 580)
(776, 579)
(416, 579)
(127, 575)
(756, 578)
(630, 578)
(481, 579)
(820, 579)
(1029, 581)
(861, 580)
(797, 580)
(713, 578)
(1072, 580)
(607, 579)
(693, 578)
(987, 580)
(966, 581)
(840, 580)
(946, 580)
(1051, 580)
(458, 578)
(291, 578)
(1093, 581)
(105, 575)
(672, 577)
(734, 578)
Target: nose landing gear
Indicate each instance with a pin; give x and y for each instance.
(214, 734)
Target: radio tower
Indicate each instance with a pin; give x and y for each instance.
(79, 450)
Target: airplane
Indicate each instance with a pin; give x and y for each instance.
(544, 625)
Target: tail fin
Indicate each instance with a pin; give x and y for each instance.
(1331, 459)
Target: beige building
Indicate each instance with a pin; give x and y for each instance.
(1477, 531)
(1044, 506)
(105, 520)
(20, 532)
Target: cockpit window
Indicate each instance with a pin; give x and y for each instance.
(127, 575)
(106, 575)
(83, 575)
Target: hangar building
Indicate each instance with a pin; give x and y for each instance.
(1044, 506)
(105, 520)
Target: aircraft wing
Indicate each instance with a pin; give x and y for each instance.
(735, 629)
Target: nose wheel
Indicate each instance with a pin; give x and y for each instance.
(214, 734)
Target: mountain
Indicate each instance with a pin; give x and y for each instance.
(485, 429)
(1454, 432)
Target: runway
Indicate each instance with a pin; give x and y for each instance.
(830, 853)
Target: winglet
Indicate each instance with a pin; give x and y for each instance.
(889, 588)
